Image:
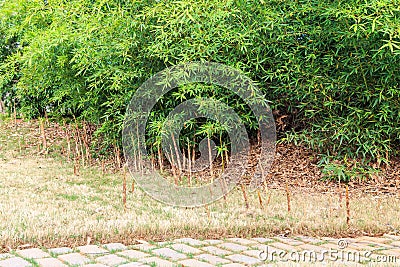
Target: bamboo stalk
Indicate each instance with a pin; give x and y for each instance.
(117, 156)
(193, 153)
(67, 133)
(103, 167)
(86, 143)
(15, 116)
(246, 201)
(260, 199)
(210, 159)
(173, 166)
(340, 194)
(139, 155)
(268, 200)
(177, 155)
(124, 189)
(347, 205)
(208, 213)
(287, 196)
(189, 162)
(43, 135)
(76, 166)
(160, 160)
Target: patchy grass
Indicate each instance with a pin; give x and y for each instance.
(43, 203)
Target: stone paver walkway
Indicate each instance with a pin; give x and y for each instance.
(230, 252)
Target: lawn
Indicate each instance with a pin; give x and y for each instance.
(44, 203)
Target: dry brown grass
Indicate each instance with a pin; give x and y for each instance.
(42, 202)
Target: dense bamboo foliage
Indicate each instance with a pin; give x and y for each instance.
(330, 69)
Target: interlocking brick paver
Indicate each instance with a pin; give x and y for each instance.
(114, 246)
(32, 253)
(144, 247)
(133, 264)
(159, 262)
(232, 252)
(15, 262)
(111, 260)
(92, 249)
(381, 240)
(216, 251)
(169, 253)
(242, 241)
(311, 240)
(190, 241)
(395, 243)
(212, 259)
(213, 241)
(311, 247)
(244, 259)
(232, 247)
(50, 262)
(195, 263)
(290, 241)
(61, 250)
(133, 254)
(330, 246)
(263, 240)
(186, 249)
(283, 246)
(74, 258)
(5, 256)
(253, 253)
(393, 237)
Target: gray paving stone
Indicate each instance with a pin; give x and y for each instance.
(144, 247)
(253, 253)
(289, 241)
(74, 258)
(311, 240)
(263, 240)
(61, 250)
(5, 256)
(133, 254)
(216, 251)
(50, 262)
(232, 247)
(32, 253)
(186, 249)
(242, 241)
(190, 241)
(114, 246)
(92, 249)
(244, 259)
(212, 259)
(163, 243)
(159, 262)
(15, 262)
(111, 260)
(169, 253)
(213, 241)
(195, 263)
(133, 264)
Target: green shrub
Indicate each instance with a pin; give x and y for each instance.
(331, 66)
